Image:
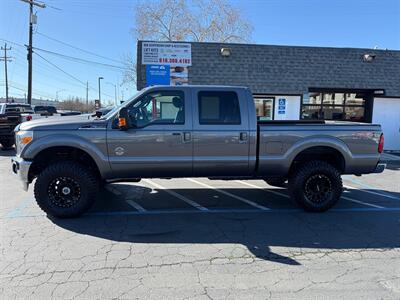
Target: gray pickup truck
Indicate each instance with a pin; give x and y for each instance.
(190, 131)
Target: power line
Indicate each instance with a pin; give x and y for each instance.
(68, 74)
(77, 59)
(14, 43)
(71, 58)
(77, 48)
(58, 68)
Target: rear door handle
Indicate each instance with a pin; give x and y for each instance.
(176, 133)
(187, 137)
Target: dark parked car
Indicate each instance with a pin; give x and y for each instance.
(10, 116)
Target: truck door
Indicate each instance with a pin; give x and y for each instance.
(220, 133)
(159, 144)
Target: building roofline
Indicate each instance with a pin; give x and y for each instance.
(277, 46)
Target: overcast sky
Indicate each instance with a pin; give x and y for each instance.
(103, 27)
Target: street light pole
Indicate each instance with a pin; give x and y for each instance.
(100, 90)
(115, 93)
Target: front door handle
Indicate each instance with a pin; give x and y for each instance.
(243, 137)
(187, 137)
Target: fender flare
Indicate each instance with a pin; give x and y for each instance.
(320, 141)
(66, 140)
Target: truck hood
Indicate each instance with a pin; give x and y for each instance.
(63, 123)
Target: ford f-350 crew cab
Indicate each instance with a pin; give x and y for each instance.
(190, 131)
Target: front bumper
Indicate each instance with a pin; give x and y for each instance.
(21, 168)
(380, 167)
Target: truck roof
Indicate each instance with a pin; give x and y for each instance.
(198, 86)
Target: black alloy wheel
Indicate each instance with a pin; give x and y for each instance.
(315, 186)
(66, 189)
(64, 192)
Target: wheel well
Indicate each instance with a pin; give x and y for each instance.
(51, 155)
(323, 153)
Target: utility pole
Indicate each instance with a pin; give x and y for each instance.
(6, 59)
(32, 20)
(87, 94)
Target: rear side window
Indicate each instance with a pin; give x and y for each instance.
(217, 107)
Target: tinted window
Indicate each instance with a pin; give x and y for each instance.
(19, 108)
(160, 107)
(45, 109)
(219, 108)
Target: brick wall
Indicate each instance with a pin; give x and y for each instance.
(289, 69)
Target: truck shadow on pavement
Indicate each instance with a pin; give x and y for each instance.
(276, 236)
(7, 152)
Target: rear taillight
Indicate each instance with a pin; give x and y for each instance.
(381, 143)
(28, 118)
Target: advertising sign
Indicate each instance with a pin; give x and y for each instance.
(157, 75)
(178, 54)
(179, 75)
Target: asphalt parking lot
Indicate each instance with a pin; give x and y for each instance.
(197, 238)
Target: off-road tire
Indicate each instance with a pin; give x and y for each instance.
(305, 189)
(278, 182)
(7, 143)
(83, 180)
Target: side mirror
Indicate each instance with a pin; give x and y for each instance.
(123, 119)
(98, 114)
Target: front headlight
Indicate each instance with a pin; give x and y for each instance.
(23, 138)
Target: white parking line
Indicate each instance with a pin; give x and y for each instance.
(287, 196)
(258, 187)
(179, 196)
(135, 205)
(229, 194)
(360, 202)
(371, 192)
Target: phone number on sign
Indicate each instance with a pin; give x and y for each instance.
(174, 60)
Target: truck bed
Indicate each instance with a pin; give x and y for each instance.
(279, 142)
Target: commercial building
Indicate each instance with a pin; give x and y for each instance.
(288, 82)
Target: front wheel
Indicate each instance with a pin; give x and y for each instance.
(66, 189)
(316, 186)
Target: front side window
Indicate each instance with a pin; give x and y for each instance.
(160, 107)
(217, 107)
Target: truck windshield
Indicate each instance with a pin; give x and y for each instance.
(115, 109)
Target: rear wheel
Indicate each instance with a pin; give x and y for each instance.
(66, 189)
(316, 186)
(7, 143)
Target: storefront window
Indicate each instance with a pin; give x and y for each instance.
(334, 106)
(310, 112)
(264, 108)
(355, 114)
